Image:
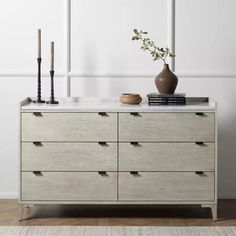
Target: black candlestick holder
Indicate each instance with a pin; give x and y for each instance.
(52, 99)
(39, 100)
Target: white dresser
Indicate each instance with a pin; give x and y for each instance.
(98, 151)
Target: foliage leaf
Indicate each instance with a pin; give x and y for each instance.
(157, 53)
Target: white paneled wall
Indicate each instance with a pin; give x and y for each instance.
(205, 37)
(19, 21)
(106, 87)
(102, 31)
(96, 57)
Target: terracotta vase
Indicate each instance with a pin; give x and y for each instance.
(166, 82)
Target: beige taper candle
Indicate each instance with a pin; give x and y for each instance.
(52, 55)
(39, 43)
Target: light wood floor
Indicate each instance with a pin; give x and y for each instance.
(119, 215)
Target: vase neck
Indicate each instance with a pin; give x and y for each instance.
(166, 66)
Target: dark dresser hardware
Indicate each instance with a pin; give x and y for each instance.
(102, 173)
(200, 114)
(37, 173)
(135, 143)
(199, 172)
(102, 114)
(136, 114)
(199, 143)
(38, 144)
(103, 143)
(134, 172)
(37, 114)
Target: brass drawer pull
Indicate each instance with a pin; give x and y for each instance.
(102, 114)
(135, 114)
(37, 173)
(37, 144)
(102, 173)
(103, 143)
(38, 114)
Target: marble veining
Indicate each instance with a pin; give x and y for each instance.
(112, 104)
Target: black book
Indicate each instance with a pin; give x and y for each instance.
(166, 104)
(183, 100)
(166, 99)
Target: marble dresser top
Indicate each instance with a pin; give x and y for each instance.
(112, 104)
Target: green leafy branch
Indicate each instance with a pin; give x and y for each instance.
(148, 45)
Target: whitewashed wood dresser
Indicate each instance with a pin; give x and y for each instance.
(97, 151)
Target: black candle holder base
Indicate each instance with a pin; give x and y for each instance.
(40, 101)
(52, 102)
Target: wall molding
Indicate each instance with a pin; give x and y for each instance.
(171, 30)
(212, 75)
(68, 47)
(28, 74)
(68, 76)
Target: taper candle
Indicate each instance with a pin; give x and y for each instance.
(39, 43)
(52, 56)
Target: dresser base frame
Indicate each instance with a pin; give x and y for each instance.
(27, 209)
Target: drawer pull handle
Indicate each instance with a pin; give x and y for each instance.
(102, 173)
(134, 173)
(200, 143)
(102, 114)
(200, 114)
(38, 114)
(103, 143)
(37, 173)
(135, 114)
(134, 143)
(38, 144)
(199, 172)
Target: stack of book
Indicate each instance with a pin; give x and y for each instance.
(155, 99)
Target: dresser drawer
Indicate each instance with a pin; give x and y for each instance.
(49, 156)
(166, 186)
(166, 156)
(69, 186)
(69, 127)
(166, 127)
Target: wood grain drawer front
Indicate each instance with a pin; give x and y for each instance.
(69, 156)
(69, 127)
(69, 186)
(166, 127)
(166, 157)
(166, 186)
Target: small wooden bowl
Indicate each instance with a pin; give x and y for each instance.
(130, 98)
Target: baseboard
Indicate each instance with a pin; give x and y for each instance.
(8, 195)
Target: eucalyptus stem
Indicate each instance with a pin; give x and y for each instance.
(148, 45)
